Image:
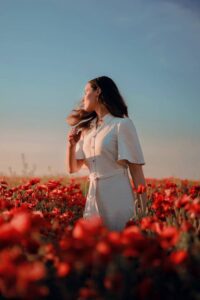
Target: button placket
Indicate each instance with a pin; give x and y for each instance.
(93, 150)
(93, 147)
(96, 130)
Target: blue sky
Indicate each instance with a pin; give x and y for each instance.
(51, 48)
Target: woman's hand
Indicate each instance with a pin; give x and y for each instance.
(73, 136)
(141, 205)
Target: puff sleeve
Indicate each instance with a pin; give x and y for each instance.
(129, 147)
(79, 149)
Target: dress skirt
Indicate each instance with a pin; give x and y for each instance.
(111, 197)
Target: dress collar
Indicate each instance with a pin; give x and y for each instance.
(106, 118)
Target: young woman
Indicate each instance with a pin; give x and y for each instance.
(105, 140)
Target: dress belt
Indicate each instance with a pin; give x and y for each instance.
(96, 175)
(91, 205)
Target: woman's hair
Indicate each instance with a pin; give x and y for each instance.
(109, 96)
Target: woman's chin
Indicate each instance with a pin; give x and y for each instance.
(87, 109)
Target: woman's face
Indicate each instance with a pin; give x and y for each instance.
(90, 98)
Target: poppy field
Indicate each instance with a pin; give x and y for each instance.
(48, 251)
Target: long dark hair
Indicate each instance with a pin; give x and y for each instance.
(109, 96)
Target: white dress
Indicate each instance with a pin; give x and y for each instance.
(104, 150)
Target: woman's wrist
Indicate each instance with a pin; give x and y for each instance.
(71, 147)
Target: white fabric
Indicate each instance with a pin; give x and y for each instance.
(128, 142)
(79, 149)
(105, 151)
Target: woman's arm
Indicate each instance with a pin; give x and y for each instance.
(73, 164)
(139, 179)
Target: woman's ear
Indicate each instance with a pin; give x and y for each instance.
(98, 91)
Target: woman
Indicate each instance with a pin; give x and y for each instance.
(106, 141)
